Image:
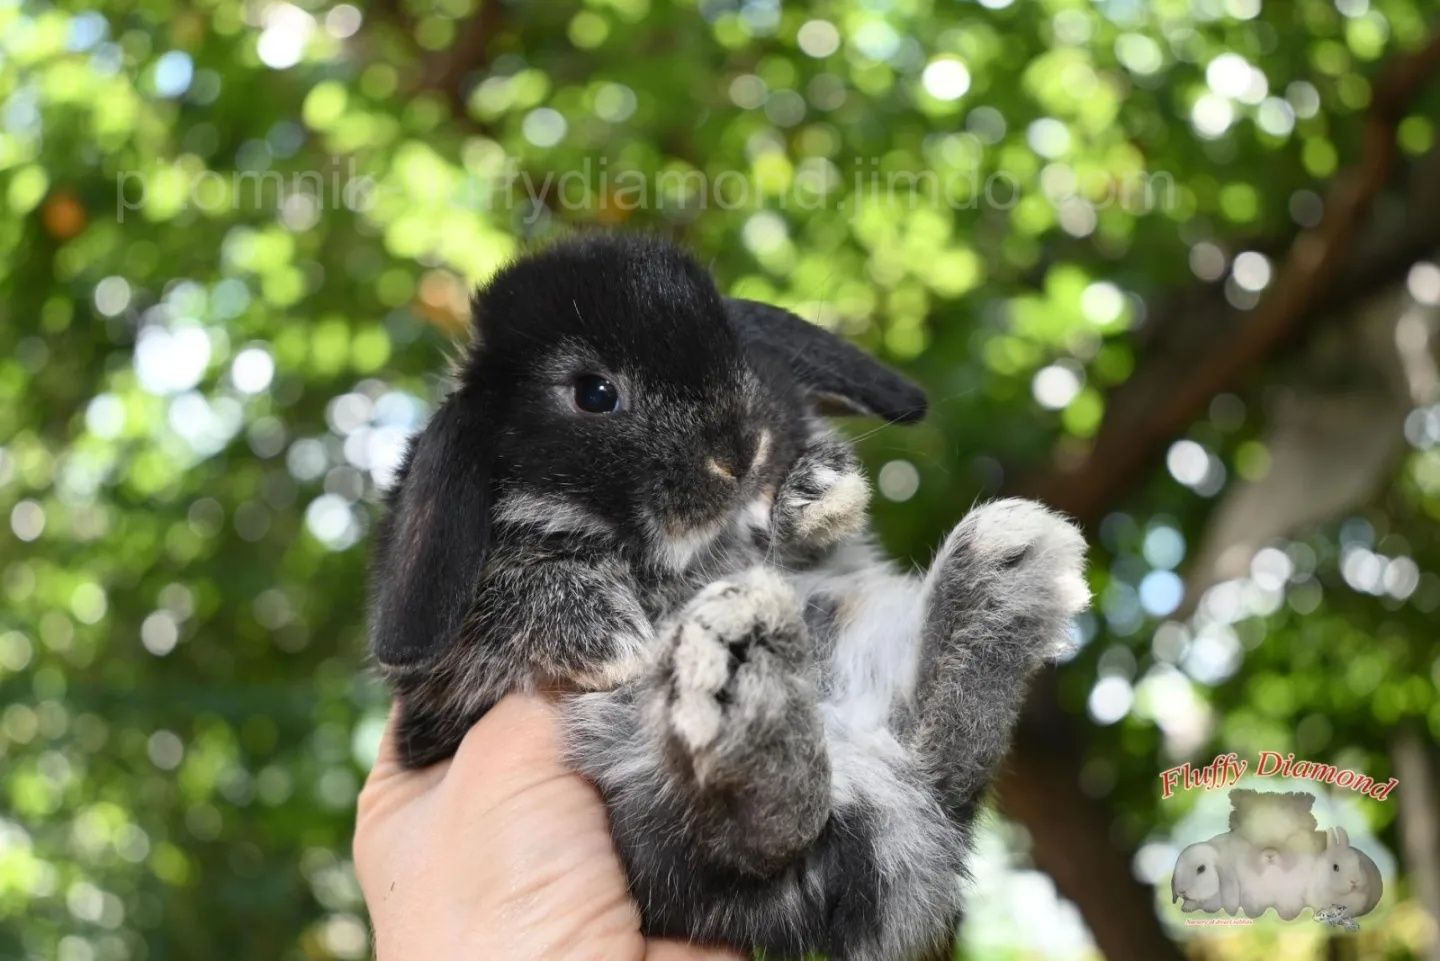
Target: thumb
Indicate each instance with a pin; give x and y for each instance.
(680, 951)
(515, 747)
(390, 784)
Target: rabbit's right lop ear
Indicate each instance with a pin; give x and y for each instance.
(837, 376)
(433, 542)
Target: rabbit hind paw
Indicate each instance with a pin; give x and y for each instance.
(737, 712)
(730, 666)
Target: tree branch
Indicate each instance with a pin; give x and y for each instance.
(1073, 834)
(449, 72)
(1131, 437)
(1415, 765)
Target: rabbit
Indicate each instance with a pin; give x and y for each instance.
(1208, 873)
(1195, 882)
(1280, 838)
(632, 496)
(1344, 877)
(1273, 878)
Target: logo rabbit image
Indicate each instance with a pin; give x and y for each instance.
(1275, 856)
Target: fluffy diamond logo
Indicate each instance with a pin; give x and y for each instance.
(1275, 856)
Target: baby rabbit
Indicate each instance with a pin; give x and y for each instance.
(1273, 878)
(1196, 880)
(631, 495)
(1281, 838)
(1273, 857)
(1343, 876)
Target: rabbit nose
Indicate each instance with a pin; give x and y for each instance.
(723, 469)
(734, 460)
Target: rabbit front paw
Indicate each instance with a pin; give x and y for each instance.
(823, 500)
(1013, 562)
(998, 602)
(1041, 554)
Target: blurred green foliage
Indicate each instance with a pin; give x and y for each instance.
(236, 240)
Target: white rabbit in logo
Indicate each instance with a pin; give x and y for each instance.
(1343, 876)
(1274, 856)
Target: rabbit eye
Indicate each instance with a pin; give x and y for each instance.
(1200, 869)
(596, 395)
(1335, 867)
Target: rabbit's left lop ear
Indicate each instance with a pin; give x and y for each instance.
(432, 543)
(837, 376)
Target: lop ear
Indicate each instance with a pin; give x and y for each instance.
(433, 541)
(837, 376)
(1229, 889)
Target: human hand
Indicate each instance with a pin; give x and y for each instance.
(499, 854)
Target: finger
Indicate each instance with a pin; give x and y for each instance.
(683, 951)
(390, 789)
(389, 770)
(389, 753)
(514, 747)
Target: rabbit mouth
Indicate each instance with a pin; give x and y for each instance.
(679, 543)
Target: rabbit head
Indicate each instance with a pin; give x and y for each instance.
(1197, 874)
(1344, 876)
(609, 388)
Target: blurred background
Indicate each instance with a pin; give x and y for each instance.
(1169, 265)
